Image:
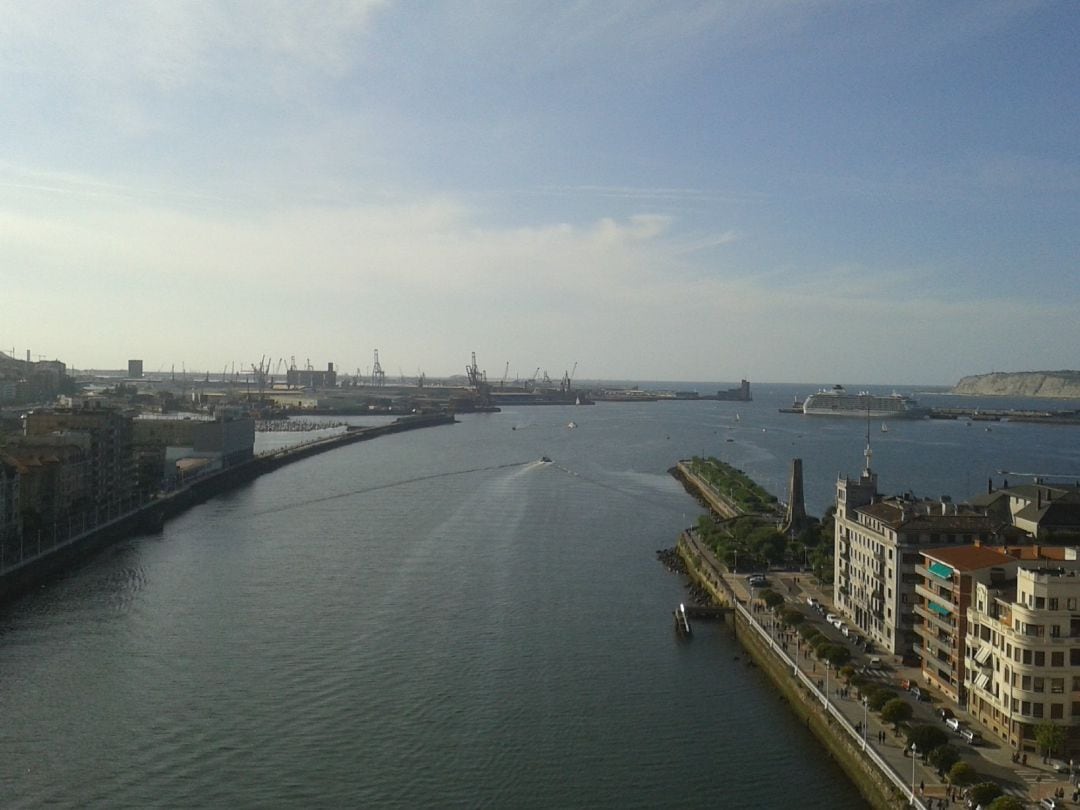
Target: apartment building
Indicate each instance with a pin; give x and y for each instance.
(1022, 650)
(877, 552)
(947, 578)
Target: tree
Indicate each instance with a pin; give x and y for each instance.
(984, 793)
(896, 711)
(926, 737)
(962, 774)
(768, 543)
(944, 757)
(837, 654)
(1049, 738)
(771, 598)
(1006, 803)
(877, 697)
(791, 617)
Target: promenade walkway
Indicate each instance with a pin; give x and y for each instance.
(880, 744)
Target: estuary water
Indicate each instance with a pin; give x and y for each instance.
(439, 619)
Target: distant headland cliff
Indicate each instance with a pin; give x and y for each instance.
(1058, 384)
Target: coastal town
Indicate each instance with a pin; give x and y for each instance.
(927, 643)
(939, 658)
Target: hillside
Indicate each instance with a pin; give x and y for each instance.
(1058, 384)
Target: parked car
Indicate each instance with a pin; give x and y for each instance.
(946, 714)
(812, 602)
(1050, 803)
(875, 661)
(971, 737)
(953, 723)
(917, 693)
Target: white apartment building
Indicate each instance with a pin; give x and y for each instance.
(1023, 650)
(877, 544)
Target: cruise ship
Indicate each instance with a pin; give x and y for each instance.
(838, 402)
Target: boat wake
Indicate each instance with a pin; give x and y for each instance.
(392, 484)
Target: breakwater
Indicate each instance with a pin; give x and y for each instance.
(44, 560)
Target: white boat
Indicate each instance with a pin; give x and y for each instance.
(836, 401)
(884, 428)
(571, 424)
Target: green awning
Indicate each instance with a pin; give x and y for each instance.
(938, 609)
(941, 570)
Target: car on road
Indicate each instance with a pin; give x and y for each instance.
(946, 714)
(970, 736)
(1050, 803)
(953, 723)
(812, 602)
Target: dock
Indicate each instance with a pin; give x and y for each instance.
(682, 623)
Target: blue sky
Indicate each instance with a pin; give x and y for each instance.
(784, 191)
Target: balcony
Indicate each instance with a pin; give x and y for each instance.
(933, 618)
(942, 597)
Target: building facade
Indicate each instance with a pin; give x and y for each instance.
(877, 545)
(1023, 653)
(947, 578)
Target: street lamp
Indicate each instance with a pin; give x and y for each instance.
(864, 702)
(914, 753)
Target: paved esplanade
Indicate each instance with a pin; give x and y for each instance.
(991, 760)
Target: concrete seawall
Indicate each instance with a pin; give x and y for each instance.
(878, 789)
(150, 517)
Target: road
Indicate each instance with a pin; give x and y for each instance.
(991, 760)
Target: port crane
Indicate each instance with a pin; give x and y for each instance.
(378, 376)
(478, 380)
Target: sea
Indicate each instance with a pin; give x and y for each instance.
(441, 619)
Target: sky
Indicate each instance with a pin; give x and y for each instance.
(802, 191)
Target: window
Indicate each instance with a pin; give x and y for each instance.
(1025, 707)
(1076, 708)
(1040, 603)
(1076, 683)
(1052, 603)
(1057, 658)
(1026, 656)
(1038, 684)
(1070, 603)
(1025, 683)
(1040, 659)
(1057, 686)
(1057, 711)
(1036, 710)
(1055, 631)
(1074, 657)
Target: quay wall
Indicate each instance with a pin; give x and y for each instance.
(150, 517)
(877, 786)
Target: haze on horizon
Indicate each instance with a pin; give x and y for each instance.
(817, 191)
